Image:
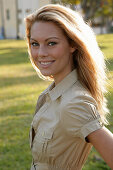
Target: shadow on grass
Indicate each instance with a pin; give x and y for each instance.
(14, 56)
(102, 47)
(12, 48)
(10, 81)
(19, 109)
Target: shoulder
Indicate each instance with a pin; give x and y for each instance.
(80, 106)
(78, 95)
(79, 113)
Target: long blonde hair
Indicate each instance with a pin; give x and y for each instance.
(88, 58)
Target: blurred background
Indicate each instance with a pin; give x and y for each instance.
(20, 86)
(99, 13)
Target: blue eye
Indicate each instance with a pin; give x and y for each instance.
(52, 43)
(34, 44)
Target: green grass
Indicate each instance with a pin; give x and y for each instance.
(19, 90)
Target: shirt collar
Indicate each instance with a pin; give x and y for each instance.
(56, 91)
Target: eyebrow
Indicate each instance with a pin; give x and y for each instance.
(47, 38)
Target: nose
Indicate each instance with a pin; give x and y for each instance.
(42, 51)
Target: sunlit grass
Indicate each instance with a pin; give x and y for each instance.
(19, 90)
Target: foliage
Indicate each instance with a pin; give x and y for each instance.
(71, 1)
(93, 9)
(97, 7)
(19, 89)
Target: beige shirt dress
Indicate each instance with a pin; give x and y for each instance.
(65, 115)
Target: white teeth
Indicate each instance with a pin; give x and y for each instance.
(46, 63)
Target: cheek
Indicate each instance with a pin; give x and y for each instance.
(63, 53)
(59, 53)
(33, 53)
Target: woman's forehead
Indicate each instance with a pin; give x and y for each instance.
(46, 29)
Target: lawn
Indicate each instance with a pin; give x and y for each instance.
(19, 90)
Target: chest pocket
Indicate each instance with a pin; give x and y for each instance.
(41, 141)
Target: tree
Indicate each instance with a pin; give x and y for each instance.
(105, 11)
(90, 8)
(93, 9)
(73, 2)
(65, 2)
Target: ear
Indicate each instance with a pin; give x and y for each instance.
(72, 49)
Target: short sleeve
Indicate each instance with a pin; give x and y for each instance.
(80, 116)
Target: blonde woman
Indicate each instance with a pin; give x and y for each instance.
(71, 113)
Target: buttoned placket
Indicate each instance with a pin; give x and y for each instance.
(41, 111)
(47, 103)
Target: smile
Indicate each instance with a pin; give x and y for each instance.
(46, 63)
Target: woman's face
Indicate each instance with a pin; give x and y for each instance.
(50, 50)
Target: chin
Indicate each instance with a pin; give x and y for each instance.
(45, 73)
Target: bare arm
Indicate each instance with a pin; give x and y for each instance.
(102, 140)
